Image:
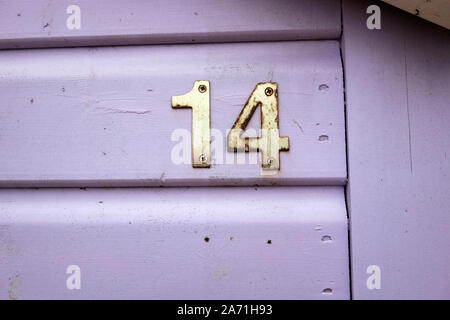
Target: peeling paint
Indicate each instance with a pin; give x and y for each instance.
(120, 110)
(15, 287)
(221, 272)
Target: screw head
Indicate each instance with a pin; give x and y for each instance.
(270, 161)
(202, 88)
(268, 91)
(203, 158)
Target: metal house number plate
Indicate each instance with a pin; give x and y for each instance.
(269, 143)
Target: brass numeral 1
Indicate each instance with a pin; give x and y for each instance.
(269, 143)
(198, 99)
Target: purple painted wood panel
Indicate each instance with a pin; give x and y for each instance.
(178, 243)
(41, 23)
(103, 116)
(398, 111)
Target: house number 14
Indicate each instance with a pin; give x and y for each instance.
(269, 143)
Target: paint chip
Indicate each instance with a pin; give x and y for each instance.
(327, 291)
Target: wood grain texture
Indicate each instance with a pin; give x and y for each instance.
(103, 116)
(150, 243)
(42, 23)
(398, 93)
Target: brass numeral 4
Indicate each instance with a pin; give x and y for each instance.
(269, 143)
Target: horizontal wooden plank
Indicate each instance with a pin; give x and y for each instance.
(103, 116)
(175, 243)
(41, 23)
